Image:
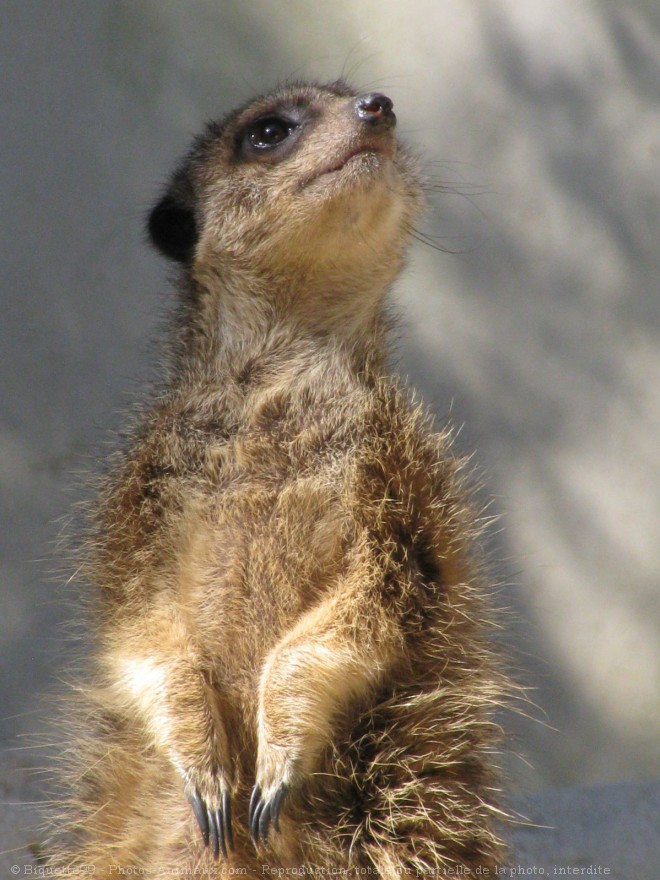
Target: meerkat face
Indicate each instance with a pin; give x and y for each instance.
(307, 180)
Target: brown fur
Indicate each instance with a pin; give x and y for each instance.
(285, 554)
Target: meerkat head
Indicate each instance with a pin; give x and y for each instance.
(306, 190)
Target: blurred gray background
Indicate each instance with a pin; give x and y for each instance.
(539, 126)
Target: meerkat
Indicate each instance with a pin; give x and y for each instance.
(292, 667)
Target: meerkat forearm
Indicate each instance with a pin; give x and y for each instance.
(164, 681)
(313, 674)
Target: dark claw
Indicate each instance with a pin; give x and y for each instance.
(215, 825)
(226, 818)
(264, 821)
(200, 814)
(254, 826)
(255, 798)
(220, 825)
(213, 829)
(263, 814)
(276, 806)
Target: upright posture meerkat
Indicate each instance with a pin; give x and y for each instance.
(292, 667)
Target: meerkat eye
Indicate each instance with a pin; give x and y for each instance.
(268, 132)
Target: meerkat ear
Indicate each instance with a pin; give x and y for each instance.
(172, 229)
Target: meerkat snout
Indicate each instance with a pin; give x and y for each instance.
(376, 109)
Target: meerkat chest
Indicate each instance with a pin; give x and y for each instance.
(266, 535)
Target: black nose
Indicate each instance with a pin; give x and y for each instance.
(376, 109)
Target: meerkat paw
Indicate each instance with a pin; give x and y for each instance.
(280, 770)
(209, 796)
(265, 811)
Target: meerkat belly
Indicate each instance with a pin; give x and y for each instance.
(254, 560)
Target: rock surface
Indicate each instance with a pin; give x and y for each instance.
(602, 831)
(20, 801)
(587, 831)
(539, 122)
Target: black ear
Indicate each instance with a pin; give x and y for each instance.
(172, 229)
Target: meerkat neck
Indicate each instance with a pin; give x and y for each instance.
(233, 324)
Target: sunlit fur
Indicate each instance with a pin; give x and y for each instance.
(285, 554)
